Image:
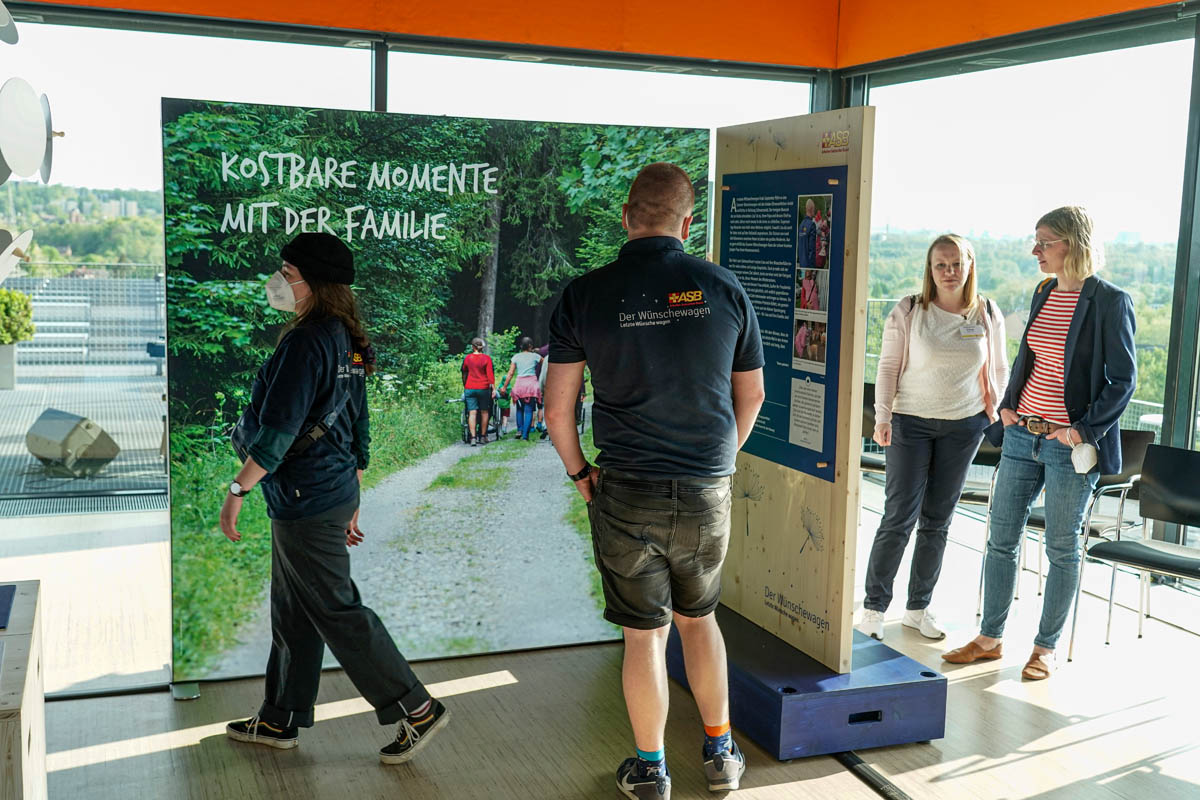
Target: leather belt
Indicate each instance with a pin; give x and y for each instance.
(1037, 425)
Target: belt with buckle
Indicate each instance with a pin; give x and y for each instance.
(1037, 425)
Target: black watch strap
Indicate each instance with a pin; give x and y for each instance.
(583, 473)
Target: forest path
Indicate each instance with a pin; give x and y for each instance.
(466, 551)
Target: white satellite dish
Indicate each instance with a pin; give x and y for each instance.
(14, 252)
(22, 127)
(8, 28)
(48, 159)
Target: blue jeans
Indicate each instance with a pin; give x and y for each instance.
(927, 465)
(525, 416)
(1027, 463)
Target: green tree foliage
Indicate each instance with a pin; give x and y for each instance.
(16, 317)
(610, 159)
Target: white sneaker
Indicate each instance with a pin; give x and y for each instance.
(923, 620)
(872, 623)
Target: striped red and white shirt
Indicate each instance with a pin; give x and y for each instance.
(1043, 391)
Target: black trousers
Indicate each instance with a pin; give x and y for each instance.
(314, 603)
(927, 466)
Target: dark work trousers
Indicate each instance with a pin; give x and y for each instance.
(926, 469)
(314, 603)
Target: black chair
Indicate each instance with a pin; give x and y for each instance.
(1167, 492)
(870, 462)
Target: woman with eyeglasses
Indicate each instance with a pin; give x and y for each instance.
(1072, 379)
(942, 368)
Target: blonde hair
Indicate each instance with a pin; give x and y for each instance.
(1085, 255)
(966, 253)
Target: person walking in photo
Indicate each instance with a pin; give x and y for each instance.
(306, 440)
(659, 500)
(478, 384)
(810, 297)
(522, 377)
(1073, 376)
(806, 254)
(942, 368)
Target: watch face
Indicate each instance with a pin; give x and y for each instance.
(235, 488)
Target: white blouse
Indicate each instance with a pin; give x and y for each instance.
(945, 354)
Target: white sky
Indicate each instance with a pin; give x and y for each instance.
(105, 89)
(981, 153)
(992, 151)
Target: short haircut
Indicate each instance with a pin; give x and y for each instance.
(966, 253)
(1085, 255)
(660, 197)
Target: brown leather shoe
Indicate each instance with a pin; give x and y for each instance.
(971, 652)
(1038, 667)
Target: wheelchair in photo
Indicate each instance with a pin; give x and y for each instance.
(493, 427)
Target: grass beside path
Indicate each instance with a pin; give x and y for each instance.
(577, 518)
(484, 469)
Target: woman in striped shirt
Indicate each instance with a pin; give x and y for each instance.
(1072, 378)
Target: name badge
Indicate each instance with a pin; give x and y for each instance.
(971, 331)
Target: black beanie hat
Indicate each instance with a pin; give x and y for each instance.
(322, 256)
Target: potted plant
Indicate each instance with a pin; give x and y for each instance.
(16, 325)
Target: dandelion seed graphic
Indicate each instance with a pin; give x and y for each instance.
(748, 486)
(813, 530)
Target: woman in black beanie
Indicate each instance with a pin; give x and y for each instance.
(306, 439)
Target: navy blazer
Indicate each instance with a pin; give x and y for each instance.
(1100, 370)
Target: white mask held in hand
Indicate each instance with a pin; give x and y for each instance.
(280, 294)
(1084, 457)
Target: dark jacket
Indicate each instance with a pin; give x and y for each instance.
(1100, 370)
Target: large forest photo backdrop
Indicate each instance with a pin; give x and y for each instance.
(460, 227)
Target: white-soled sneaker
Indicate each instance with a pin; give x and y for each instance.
(923, 620)
(872, 623)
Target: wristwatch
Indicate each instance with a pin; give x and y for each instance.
(583, 473)
(236, 490)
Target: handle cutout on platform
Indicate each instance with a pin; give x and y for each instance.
(863, 717)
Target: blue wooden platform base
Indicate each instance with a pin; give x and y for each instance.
(793, 706)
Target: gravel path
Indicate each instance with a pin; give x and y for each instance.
(453, 570)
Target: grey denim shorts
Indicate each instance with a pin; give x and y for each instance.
(659, 546)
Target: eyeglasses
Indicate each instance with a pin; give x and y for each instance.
(1038, 244)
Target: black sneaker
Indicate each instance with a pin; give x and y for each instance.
(255, 731)
(412, 734)
(640, 782)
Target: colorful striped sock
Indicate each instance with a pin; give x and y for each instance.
(717, 739)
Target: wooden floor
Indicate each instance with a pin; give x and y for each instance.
(547, 724)
(1118, 722)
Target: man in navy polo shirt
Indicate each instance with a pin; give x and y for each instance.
(676, 360)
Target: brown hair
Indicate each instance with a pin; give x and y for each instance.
(660, 197)
(1084, 254)
(335, 300)
(966, 252)
(477, 344)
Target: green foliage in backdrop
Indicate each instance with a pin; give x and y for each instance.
(16, 316)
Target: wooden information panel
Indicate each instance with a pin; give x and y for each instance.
(22, 716)
(792, 219)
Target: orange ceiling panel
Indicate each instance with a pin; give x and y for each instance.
(836, 33)
(773, 32)
(874, 30)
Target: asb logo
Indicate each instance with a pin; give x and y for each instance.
(835, 141)
(693, 298)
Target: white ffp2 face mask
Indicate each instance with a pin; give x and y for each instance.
(280, 294)
(1083, 457)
